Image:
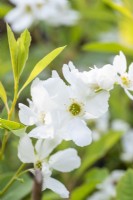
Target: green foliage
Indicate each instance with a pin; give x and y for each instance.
(92, 178)
(18, 190)
(125, 186)
(3, 95)
(42, 64)
(120, 8)
(109, 47)
(96, 175)
(10, 125)
(19, 51)
(4, 9)
(97, 150)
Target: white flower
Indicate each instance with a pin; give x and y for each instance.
(95, 104)
(127, 145)
(58, 12)
(27, 12)
(63, 161)
(38, 112)
(125, 79)
(61, 110)
(66, 122)
(101, 78)
(75, 107)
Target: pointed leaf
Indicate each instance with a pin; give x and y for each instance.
(120, 8)
(3, 95)
(19, 51)
(42, 64)
(13, 50)
(10, 125)
(23, 44)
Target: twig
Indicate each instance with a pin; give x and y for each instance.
(37, 186)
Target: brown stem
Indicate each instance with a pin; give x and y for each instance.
(37, 186)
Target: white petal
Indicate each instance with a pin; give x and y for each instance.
(26, 115)
(22, 22)
(120, 63)
(97, 105)
(130, 72)
(42, 132)
(40, 96)
(65, 161)
(67, 72)
(14, 14)
(26, 150)
(45, 147)
(55, 186)
(78, 131)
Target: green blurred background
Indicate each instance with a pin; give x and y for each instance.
(105, 27)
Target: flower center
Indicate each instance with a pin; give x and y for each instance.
(39, 5)
(38, 164)
(125, 80)
(28, 9)
(75, 109)
(42, 118)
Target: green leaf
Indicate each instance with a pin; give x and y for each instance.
(23, 44)
(42, 64)
(120, 8)
(125, 186)
(96, 175)
(10, 125)
(18, 190)
(92, 178)
(3, 95)
(19, 51)
(4, 9)
(109, 47)
(97, 150)
(82, 191)
(13, 50)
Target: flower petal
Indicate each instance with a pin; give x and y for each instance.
(97, 105)
(42, 132)
(40, 96)
(23, 22)
(14, 14)
(26, 115)
(26, 150)
(77, 131)
(120, 63)
(130, 72)
(65, 161)
(55, 186)
(45, 147)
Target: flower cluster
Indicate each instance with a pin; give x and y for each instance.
(55, 13)
(60, 111)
